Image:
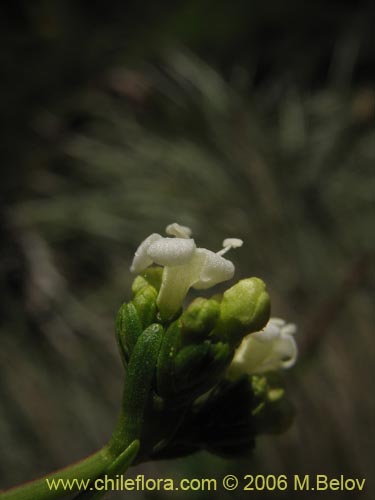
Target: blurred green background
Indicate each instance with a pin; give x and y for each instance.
(250, 119)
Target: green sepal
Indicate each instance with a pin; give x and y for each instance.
(245, 308)
(145, 303)
(138, 388)
(166, 361)
(128, 330)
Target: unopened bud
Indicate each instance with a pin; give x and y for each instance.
(199, 319)
(245, 308)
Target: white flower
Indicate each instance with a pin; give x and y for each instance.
(185, 265)
(272, 348)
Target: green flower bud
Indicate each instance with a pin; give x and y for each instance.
(145, 290)
(128, 330)
(133, 317)
(150, 276)
(245, 308)
(199, 318)
(145, 304)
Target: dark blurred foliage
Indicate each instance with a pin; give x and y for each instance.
(249, 119)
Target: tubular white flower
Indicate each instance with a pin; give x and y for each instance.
(272, 348)
(185, 265)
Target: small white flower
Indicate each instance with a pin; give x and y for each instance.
(185, 265)
(272, 348)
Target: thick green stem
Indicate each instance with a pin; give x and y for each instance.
(121, 435)
(41, 489)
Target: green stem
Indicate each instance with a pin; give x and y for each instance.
(86, 469)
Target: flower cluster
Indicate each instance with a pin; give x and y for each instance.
(195, 378)
(188, 266)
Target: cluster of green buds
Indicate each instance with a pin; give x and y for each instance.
(204, 377)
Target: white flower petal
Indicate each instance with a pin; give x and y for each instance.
(277, 321)
(141, 258)
(171, 251)
(289, 329)
(214, 269)
(285, 349)
(178, 230)
(249, 357)
(270, 332)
